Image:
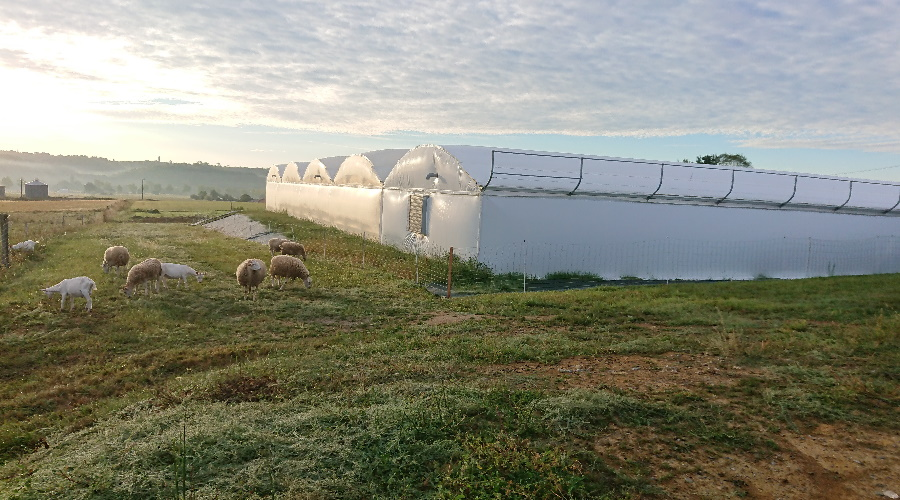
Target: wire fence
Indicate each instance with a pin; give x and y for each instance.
(41, 226)
(540, 266)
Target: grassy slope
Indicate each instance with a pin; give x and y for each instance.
(348, 390)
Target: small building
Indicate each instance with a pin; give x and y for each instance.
(37, 190)
(2, 191)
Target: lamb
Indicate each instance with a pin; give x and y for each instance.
(150, 270)
(180, 272)
(275, 245)
(250, 274)
(285, 267)
(81, 286)
(293, 248)
(25, 246)
(117, 257)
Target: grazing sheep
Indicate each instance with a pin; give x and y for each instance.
(250, 274)
(275, 245)
(81, 286)
(293, 248)
(285, 267)
(180, 272)
(116, 257)
(25, 246)
(147, 271)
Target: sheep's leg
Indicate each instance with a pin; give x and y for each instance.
(62, 301)
(90, 304)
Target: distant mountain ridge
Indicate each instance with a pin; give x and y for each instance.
(97, 175)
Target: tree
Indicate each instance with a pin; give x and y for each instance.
(245, 198)
(731, 160)
(201, 195)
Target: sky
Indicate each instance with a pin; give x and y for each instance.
(807, 86)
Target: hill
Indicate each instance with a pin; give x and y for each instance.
(100, 176)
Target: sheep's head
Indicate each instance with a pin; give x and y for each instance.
(105, 265)
(199, 276)
(127, 290)
(48, 292)
(308, 281)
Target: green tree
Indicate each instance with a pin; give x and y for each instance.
(731, 160)
(6, 181)
(245, 198)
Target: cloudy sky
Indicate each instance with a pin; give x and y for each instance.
(805, 85)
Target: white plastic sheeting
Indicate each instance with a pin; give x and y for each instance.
(293, 173)
(616, 238)
(322, 171)
(451, 221)
(368, 169)
(354, 210)
(536, 212)
(275, 173)
(431, 168)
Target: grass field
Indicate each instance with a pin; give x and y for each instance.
(368, 386)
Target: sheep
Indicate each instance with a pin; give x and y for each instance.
(117, 257)
(284, 267)
(293, 248)
(180, 272)
(25, 246)
(250, 274)
(275, 245)
(150, 270)
(81, 286)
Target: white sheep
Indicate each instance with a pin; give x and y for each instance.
(293, 248)
(181, 272)
(150, 270)
(285, 267)
(25, 246)
(117, 257)
(81, 286)
(275, 244)
(250, 274)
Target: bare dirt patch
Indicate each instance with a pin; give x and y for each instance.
(449, 318)
(637, 373)
(831, 462)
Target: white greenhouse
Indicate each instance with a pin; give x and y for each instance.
(540, 213)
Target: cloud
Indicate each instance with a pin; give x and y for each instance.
(796, 74)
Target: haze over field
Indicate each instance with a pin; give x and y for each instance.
(810, 86)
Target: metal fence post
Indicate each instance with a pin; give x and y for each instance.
(449, 272)
(4, 238)
(523, 267)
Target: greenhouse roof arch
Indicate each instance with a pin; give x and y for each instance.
(322, 170)
(368, 169)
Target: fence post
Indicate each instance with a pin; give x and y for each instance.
(364, 250)
(808, 257)
(417, 264)
(4, 238)
(523, 267)
(449, 272)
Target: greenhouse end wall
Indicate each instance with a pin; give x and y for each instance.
(353, 210)
(451, 220)
(612, 239)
